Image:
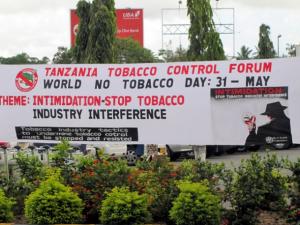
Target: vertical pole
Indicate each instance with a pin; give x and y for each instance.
(233, 33)
(6, 163)
(162, 29)
(47, 156)
(199, 152)
(278, 46)
(298, 50)
(279, 36)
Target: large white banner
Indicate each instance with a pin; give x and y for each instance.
(224, 102)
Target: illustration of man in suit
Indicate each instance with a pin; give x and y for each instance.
(277, 131)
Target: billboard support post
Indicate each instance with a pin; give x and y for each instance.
(298, 50)
(180, 28)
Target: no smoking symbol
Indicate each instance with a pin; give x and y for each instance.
(26, 79)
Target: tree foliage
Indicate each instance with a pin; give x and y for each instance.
(83, 13)
(23, 58)
(180, 55)
(245, 53)
(291, 49)
(96, 33)
(205, 42)
(265, 48)
(129, 51)
(63, 56)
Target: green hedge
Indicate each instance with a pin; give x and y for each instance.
(122, 207)
(6, 205)
(196, 205)
(53, 203)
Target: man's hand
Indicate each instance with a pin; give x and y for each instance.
(250, 121)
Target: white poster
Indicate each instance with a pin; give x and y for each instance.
(205, 103)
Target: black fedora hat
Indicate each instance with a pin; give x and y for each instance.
(274, 107)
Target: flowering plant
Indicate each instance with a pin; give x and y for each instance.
(91, 182)
(156, 179)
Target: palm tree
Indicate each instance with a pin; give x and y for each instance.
(244, 53)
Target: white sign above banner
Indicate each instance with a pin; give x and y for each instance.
(204, 103)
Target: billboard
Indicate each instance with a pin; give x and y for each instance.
(129, 24)
(202, 103)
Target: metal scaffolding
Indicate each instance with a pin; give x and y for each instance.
(175, 23)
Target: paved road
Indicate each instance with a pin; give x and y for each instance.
(231, 160)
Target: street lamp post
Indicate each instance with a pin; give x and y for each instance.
(179, 2)
(279, 36)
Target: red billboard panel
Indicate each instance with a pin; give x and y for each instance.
(74, 26)
(129, 24)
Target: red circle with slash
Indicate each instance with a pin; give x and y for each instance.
(26, 80)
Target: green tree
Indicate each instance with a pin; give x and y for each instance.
(83, 13)
(291, 49)
(23, 58)
(244, 53)
(129, 51)
(180, 55)
(205, 42)
(63, 56)
(96, 34)
(265, 48)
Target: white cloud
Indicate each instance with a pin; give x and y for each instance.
(33, 6)
(268, 4)
(39, 27)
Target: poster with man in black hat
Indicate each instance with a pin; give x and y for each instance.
(276, 131)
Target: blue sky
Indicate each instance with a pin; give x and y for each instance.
(39, 27)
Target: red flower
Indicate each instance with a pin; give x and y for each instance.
(225, 222)
(173, 174)
(96, 161)
(92, 173)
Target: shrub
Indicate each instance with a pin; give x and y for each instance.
(53, 203)
(84, 162)
(92, 181)
(6, 205)
(122, 207)
(30, 167)
(31, 171)
(156, 179)
(198, 171)
(160, 192)
(257, 184)
(18, 189)
(196, 205)
(61, 154)
(61, 158)
(294, 210)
